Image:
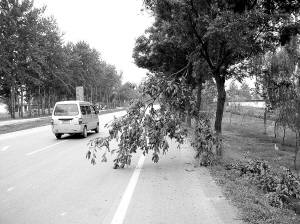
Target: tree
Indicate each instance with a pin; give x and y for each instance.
(225, 33)
(277, 78)
(233, 91)
(18, 21)
(127, 92)
(245, 91)
(36, 66)
(218, 36)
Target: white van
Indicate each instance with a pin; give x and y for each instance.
(70, 117)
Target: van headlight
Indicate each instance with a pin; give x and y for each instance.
(80, 120)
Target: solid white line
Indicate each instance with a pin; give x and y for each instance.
(28, 154)
(10, 188)
(4, 148)
(121, 211)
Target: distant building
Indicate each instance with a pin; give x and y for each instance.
(3, 108)
(248, 103)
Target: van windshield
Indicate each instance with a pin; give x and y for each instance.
(66, 110)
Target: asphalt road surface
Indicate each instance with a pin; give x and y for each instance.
(45, 180)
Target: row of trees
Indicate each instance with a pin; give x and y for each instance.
(36, 66)
(278, 83)
(242, 93)
(192, 48)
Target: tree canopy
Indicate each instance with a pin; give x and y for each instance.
(35, 63)
(190, 44)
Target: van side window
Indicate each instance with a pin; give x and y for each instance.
(83, 110)
(93, 110)
(88, 109)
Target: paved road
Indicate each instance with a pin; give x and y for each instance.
(45, 180)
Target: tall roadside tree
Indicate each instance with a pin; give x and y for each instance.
(225, 33)
(19, 28)
(215, 38)
(277, 74)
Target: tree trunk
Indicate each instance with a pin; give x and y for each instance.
(12, 102)
(22, 99)
(39, 101)
(198, 103)
(283, 138)
(44, 102)
(107, 100)
(49, 102)
(100, 106)
(91, 95)
(220, 109)
(220, 103)
(296, 160)
(96, 95)
(265, 121)
(18, 105)
(29, 103)
(189, 120)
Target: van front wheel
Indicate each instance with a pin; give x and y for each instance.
(58, 136)
(84, 133)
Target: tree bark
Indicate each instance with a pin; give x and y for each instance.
(283, 138)
(44, 101)
(265, 121)
(220, 103)
(49, 102)
(198, 103)
(29, 103)
(220, 80)
(39, 101)
(22, 99)
(296, 160)
(12, 101)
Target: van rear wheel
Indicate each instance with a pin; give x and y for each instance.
(58, 136)
(84, 132)
(97, 129)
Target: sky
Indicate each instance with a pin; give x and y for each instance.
(110, 26)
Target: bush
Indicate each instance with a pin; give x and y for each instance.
(206, 142)
(281, 189)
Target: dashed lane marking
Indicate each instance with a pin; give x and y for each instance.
(28, 154)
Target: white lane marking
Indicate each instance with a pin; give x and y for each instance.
(10, 188)
(121, 211)
(28, 154)
(24, 132)
(3, 148)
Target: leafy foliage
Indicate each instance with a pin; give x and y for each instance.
(281, 189)
(146, 127)
(206, 141)
(217, 35)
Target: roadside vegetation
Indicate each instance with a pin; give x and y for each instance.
(258, 179)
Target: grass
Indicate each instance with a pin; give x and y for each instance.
(43, 121)
(248, 140)
(250, 201)
(244, 139)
